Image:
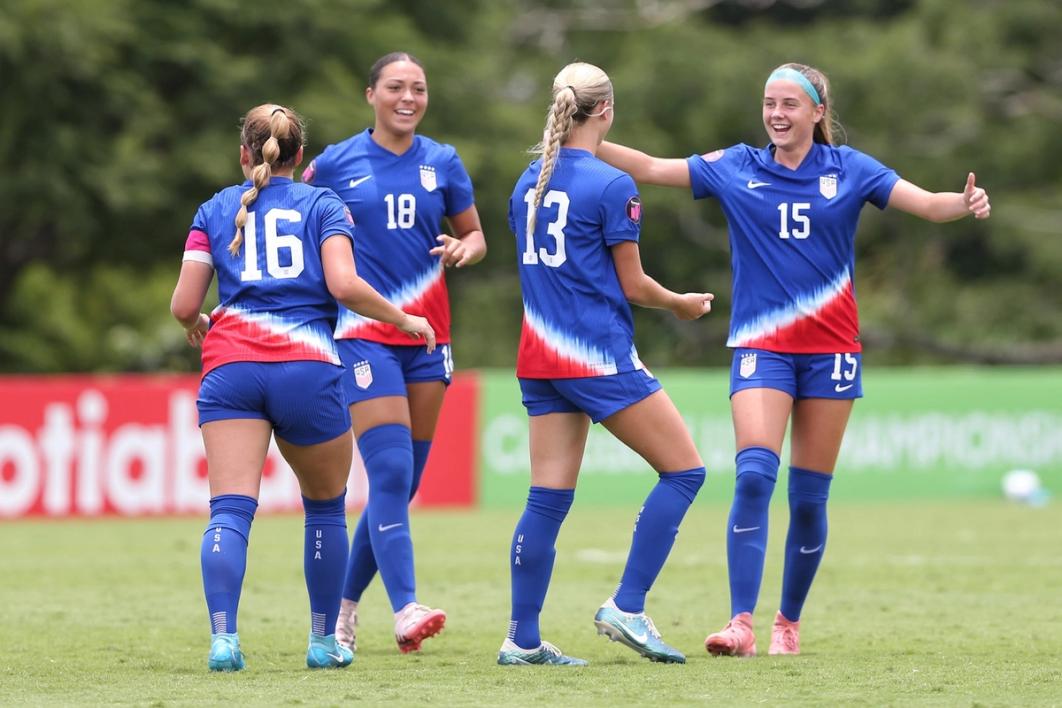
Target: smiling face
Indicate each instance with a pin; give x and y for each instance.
(399, 98)
(789, 115)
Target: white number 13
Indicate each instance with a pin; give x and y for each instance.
(555, 229)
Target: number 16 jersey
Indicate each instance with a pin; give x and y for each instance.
(577, 322)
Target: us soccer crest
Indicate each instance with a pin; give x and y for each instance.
(427, 178)
(363, 375)
(828, 186)
(748, 365)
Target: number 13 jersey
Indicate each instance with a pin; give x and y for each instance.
(577, 322)
(792, 242)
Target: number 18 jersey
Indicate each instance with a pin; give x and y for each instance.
(792, 242)
(577, 321)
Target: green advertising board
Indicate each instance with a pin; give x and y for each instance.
(917, 434)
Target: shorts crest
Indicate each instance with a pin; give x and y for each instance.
(363, 374)
(748, 365)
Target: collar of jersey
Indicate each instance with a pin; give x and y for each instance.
(272, 180)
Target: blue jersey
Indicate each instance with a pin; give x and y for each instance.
(577, 321)
(398, 203)
(792, 242)
(274, 303)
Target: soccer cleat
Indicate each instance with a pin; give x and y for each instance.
(347, 625)
(545, 654)
(785, 636)
(325, 652)
(414, 623)
(637, 631)
(225, 654)
(736, 639)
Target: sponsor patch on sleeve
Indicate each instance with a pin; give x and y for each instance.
(310, 172)
(634, 209)
(348, 215)
(709, 156)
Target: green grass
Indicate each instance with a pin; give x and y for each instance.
(927, 604)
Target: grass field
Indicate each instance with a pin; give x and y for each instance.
(915, 604)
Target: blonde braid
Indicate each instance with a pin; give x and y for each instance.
(558, 128)
(279, 127)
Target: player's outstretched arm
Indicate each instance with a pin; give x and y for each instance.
(644, 168)
(941, 206)
(642, 290)
(353, 292)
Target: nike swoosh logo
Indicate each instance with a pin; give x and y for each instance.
(335, 657)
(383, 528)
(355, 182)
(750, 528)
(841, 389)
(756, 185)
(638, 638)
(805, 551)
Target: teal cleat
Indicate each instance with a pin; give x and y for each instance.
(636, 631)
(546, 653)
(325, 652)
(225, 654)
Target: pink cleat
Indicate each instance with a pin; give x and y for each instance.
(785, 636)
(414, 623)
(736, 639)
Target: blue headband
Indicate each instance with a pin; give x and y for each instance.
(787, 74)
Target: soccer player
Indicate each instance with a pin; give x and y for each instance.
(576, 222)
(400, 187)
(283, 256)
(792, 209)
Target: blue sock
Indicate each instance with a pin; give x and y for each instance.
(806, 541)
(324, 559)
(746, 535)
(361, 568)
(223, 557)
(531, 560)
(654, 535)
(387, 451)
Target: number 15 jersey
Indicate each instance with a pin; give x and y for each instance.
(577, 322)
(792, 242)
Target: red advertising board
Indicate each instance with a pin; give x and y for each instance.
(130, 445)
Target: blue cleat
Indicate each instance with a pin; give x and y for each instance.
(636, 631)
(546, 653)
(225, 654)
(325, 652)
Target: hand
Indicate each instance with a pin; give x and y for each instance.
(452, 251)
(418, 327)
(692, 306)
(976, 199)
(197, 332)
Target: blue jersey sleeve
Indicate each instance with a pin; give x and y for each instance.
(318, 172)
(199, 223)
(709, 173)
(459, 190)
(333, 217)
(875, 179)
(621, 211)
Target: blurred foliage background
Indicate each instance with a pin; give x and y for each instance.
(119, 117)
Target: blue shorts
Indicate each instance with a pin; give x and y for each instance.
(302, 399)
(799, 375)
(374, 369)
(597, 396)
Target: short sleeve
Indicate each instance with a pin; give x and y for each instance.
(621, 211)
(459, 196)
(197, 245)
(318, 171)
(334, 218)
(875, 179)
(710, 172)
